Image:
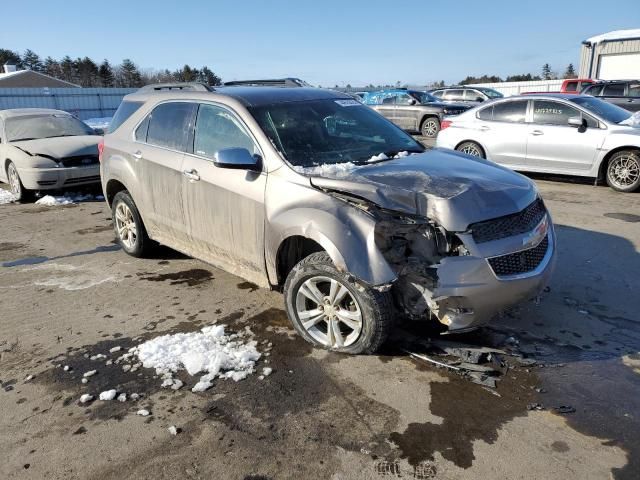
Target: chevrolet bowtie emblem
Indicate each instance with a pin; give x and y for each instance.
(534, 237)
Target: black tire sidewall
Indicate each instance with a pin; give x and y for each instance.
(141, 238)
(424, 123)
(301, 273)
(611, 184)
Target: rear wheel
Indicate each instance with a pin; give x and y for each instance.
(128, 225)
(15, 184)
(623, 171)
(329, 310)
(471, 148)
(430, 127)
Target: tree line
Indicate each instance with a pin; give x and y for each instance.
(88, 73)
(546, 74)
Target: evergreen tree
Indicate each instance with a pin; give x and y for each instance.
(570, 72)
(128, 74)
(10, 57)
(546, 72)
(31, 61)
(210, 78)
(52, 68)
(105, 74)
(68, 69)
(87, 72)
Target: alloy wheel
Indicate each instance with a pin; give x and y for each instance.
(430, 128)
(329, 312)
(126, 226)
(471, 149)
(14, 181)
(624, 171)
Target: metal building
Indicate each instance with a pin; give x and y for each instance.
(611, 56)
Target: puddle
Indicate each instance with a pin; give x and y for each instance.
(96, 229)
(41, 259)
(625, 217)
(252, 287)
(192, 278)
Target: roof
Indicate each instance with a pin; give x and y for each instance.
(248, 96)
(23, 112)
(632, 34)
(31, 78)
(564, 96)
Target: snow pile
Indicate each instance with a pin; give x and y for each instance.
(328, 169)
(633, 121)
(379, 157)
(100, 122)
(615, 35)
(6, 197)
(208, 351)
(67, 199)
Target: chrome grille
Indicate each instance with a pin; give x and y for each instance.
(509, 225)
(520, 262)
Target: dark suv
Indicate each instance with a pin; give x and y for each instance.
(412, 110)
(624, 93)
(470, 95)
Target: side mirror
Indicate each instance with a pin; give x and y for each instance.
(412, 102)
(99, 131)
(577, 122)
(237, 158)
(479, 99)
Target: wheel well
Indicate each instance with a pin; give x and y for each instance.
(484, 152)
(114, 187)
(290, 252)
(428, 115)
(605, 161)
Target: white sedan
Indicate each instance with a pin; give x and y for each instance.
(553, 133)
(42, 149)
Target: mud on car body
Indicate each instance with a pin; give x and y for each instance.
(312, 193)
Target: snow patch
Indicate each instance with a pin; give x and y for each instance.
(173, 430)
(328, 169)
(108, 395)
(208, 351)
(100, 122)
(67, 199)
(86, 398)
(615, 35)
(143, 412)
(633, 120)
(6, 197)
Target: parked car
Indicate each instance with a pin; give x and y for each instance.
(310, 192)
(464, 94)
(555, 133)
(624, 93)
(570, 85)
(412, 110)
(44, 149)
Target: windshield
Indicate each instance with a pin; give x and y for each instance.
(321, 132)
(45, 126)
(424, 97)
(490, 92)
(607, 111)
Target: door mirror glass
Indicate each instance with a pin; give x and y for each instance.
(238, 158)
(479, 99)
(576, 122)
(412, 101)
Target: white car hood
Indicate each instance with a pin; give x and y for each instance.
(60, 147)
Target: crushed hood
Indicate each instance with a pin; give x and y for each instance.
(448, 187)
(60, 147)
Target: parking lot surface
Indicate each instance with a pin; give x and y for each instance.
(68, 293)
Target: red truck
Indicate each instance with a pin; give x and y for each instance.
(570, 85)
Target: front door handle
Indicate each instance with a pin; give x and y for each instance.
(137, 155)
(192, 175)
(537, 132)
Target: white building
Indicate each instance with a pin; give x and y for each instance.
(611, 56)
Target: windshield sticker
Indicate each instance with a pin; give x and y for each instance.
(348, 103)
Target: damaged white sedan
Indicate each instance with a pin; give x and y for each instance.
(42, 149)
(309, 192)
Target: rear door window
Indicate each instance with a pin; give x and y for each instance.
(437, 94)
(614, 90)
(546, 112)
(124, 111)
(171, 125)
(217, 129)
(454, 95)
(634, 90)
(515, 112)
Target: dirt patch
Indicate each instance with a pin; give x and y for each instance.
(252, 287)
(625, 217)
(191, 278)
(96, 229)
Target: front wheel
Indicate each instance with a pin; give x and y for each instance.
(430, 127)
(471, 148)
(330, 310)
(128, 226)
(623, 171)
(15, 184)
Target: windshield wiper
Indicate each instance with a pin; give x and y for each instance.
(63, 135)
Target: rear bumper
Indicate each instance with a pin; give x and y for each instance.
(56, 178)
(470, 294)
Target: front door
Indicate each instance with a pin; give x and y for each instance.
(224, 207)
(555, 146)
(161, 141)
(407, 112)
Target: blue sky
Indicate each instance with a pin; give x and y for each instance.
(324, 42)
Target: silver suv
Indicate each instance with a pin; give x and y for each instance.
(312, 193)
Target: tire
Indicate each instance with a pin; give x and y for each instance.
(368, 312)
(471, 148)
(128, 226)
(18, 190)
(623, 171)
(430, 127)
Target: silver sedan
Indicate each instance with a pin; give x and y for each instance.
(554, 133)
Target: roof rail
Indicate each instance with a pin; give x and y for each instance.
(193, 86)
(269, 82)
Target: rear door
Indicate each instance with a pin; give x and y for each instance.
(555, 146)
(614, 93)
(161, 140)
(504, 132)
(387, 106)
(224, 207)
(633, 97)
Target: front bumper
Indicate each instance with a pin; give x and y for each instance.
(59, 177)
(469, 292)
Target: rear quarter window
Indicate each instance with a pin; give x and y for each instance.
(124, 111)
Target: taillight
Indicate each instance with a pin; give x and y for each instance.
(445, 124)
(100, 149)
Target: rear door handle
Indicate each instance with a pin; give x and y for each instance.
(137, 155)
(484, 128)
(537, 132)
(192, 175)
